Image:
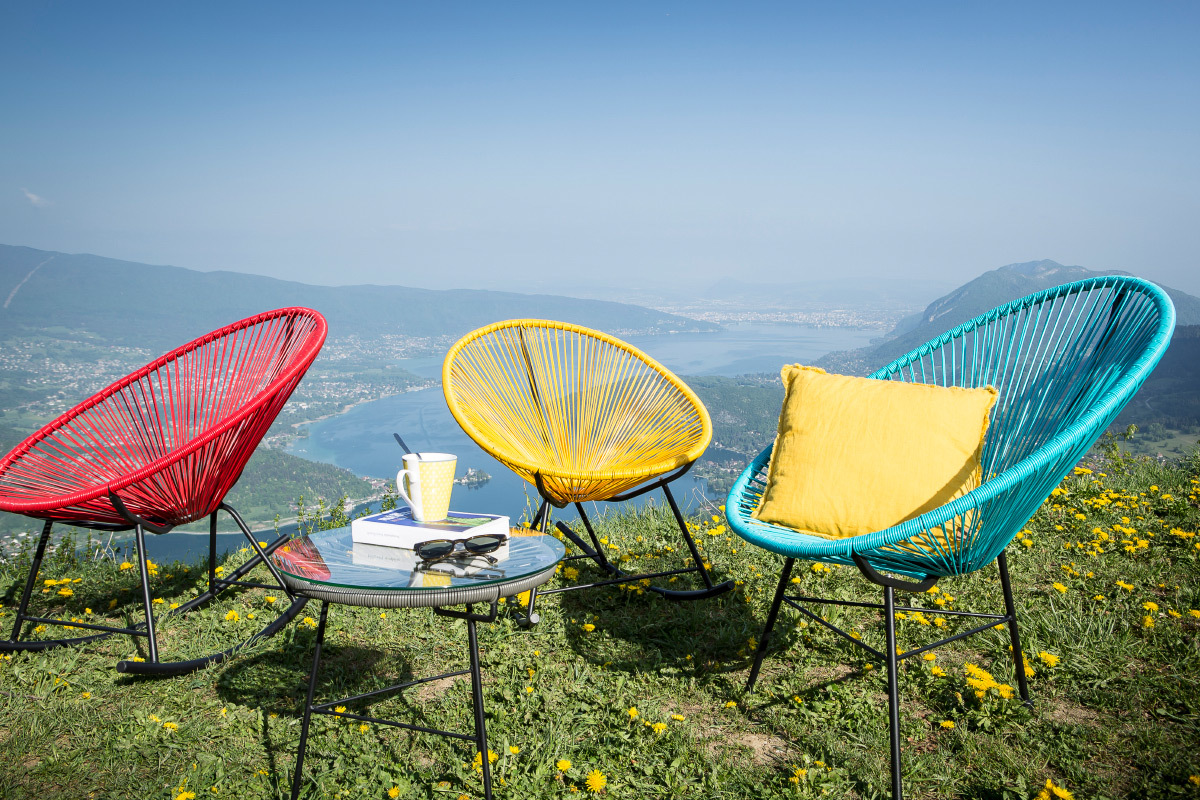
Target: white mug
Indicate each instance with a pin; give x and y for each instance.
(430, 477)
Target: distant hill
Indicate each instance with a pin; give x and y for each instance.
(1171, 395)
(976, 297)
(158, 307)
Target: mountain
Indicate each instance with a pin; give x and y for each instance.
(976, 297)
(127, 303)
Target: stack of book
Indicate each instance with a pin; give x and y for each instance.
(397, 528)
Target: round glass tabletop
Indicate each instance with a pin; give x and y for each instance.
(331, 559)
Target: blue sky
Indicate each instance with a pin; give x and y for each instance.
(463, 144)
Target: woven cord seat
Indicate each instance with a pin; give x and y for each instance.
(582, 416)
(1065, 362)
(161, 448)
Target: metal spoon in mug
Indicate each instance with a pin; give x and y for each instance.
(400, 442)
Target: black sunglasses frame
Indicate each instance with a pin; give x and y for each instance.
(499, 539)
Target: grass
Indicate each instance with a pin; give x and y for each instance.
(1107, 578)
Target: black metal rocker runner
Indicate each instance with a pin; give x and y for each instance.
(151, 664)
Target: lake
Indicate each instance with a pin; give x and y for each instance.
(361, 439)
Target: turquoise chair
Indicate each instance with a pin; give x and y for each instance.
(1065, 362)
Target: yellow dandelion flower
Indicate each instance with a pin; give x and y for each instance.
(363, 728)
(677, 717)
(633, 712)
(948, 724)
(1147, 621)
(309, 621)
(658, 727)
(394, 792)
(1060, 588)
(513, 749)
(186, 796)
(270, 598)
(1050, 791)
(126, 565)
(232, 616)
(731, 704)
(1150, 606)
(1049, 659)
(596, 781)
(86, 695)
(562, 765)
(588, 628)
(171, 726)
(340, 709)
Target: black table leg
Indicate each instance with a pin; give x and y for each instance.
(308, 703)
(477, 701)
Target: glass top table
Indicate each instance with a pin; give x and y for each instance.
(329, 565)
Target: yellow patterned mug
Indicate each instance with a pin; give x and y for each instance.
(425, 483)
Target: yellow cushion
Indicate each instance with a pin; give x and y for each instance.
(858, 455)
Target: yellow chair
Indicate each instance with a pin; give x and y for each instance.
(582, 416)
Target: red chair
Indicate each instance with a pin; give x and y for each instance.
(158, 449)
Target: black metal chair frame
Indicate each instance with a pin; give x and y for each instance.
(595, 552)
(889, 655)
(152, 665)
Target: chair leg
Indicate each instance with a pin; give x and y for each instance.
(699, 560)
(597, 548)
(151, 641)
(889, 610)
(1011, 611)
(766, 634)
(212, 553)
(34, 569)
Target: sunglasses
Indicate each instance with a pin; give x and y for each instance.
(438, 549)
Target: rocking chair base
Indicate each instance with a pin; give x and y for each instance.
(169, 668)
(153, 665)
(620, 576)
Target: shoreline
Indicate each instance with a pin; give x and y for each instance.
(280, 441)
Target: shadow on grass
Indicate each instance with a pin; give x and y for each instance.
(116, 599)
(646, 632)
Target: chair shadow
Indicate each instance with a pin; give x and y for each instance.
(698, 637)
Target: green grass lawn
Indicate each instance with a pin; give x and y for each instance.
(645, 696)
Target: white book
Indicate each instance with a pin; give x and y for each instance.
(397, 528)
